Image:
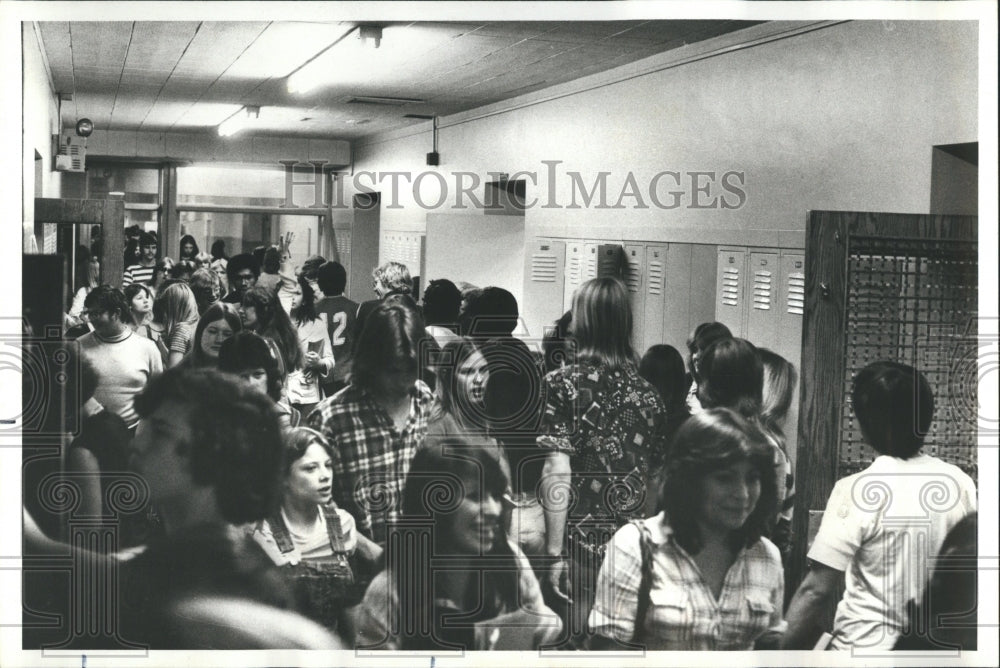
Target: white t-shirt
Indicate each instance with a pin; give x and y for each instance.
(313, 544)
(883, 527)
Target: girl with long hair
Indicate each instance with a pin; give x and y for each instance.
(488, 598)
(188, 248)
(140, 303)
(262, 314)
(731, 375)
(663, 367)
(219, 322)
(88, 277)
(460, 376)
(703, 336)
(604, 428)
(304, 382)
(146, 319)
(178, 313)
(780, 378)
(718, 582)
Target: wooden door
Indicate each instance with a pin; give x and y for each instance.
(882, 286)
(109, 214)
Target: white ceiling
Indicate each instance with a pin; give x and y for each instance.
(190, 76)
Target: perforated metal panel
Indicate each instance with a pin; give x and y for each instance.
(914, 301)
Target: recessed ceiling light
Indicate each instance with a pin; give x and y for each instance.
(356, 121)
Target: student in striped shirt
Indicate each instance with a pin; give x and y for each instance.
(142, 272)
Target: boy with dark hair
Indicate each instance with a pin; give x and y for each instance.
(242, 272)
(338, 312)
(210, 451)
(143, 271)
(379, 421)
(442, 304)
(125, 362)
(883, 526)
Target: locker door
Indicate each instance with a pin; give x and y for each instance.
(789, 346)
(590, 260)
(635, 259)
(342, 242)
(763, 324)
(652, 312)
(730, 287)
(544, 278)
(703, 263)
(792, 305)
(611, 260)
(415, 247)
(573, 271)
(677, 289)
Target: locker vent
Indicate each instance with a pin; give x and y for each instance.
(796, 293)
(590, 263)
(762, 290)
(574, 267)
(543, 268)
(633, 277)
(913, 301)
(730, 286)
(611, 261)
(655, 277)
(343, 238)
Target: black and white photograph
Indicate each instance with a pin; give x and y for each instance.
(557, 333)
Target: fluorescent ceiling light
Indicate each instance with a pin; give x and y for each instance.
(360, 53)
(241, 120)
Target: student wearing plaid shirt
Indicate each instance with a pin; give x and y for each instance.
(377, 423)
(709, 580)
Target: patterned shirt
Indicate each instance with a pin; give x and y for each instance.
(370, 457)
(613, 426)
(683, 613)
(137, 273)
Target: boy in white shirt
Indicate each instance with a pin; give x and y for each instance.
(883, 526)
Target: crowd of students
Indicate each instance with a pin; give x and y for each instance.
(396, 475)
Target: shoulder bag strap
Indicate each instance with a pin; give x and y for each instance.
(646, 581)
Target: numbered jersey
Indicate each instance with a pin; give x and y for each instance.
(338, 313)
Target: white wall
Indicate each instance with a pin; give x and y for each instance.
(839, 118)
(39, 111)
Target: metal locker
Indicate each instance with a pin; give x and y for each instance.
(789, 345)
(342, 243)
(730, 289)
(792, 305)
(573, 271)
(633, 275)
(677, 289)
(590, 260)
(611, 261)
(651, 315)
(763, 325)
(544, 278)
